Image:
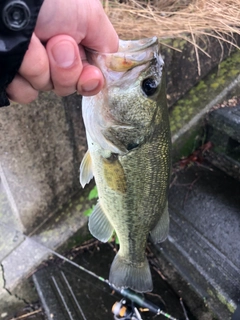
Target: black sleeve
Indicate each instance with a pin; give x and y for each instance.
(17, 22)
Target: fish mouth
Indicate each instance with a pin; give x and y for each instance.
(136, 45)
(131, 53)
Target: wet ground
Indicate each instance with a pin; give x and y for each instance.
(92, 298)
(69, 293)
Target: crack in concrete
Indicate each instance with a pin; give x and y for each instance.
(4, 280)
(9, 292)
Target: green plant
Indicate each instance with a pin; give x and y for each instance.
(89, 211)
(93, 194)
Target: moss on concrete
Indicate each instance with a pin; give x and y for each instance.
(222, 299)
(199, 97)
(229, 304)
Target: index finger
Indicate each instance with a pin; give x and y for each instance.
(100, 33)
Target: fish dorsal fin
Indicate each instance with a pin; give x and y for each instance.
(99, 225)
(160, 232)
(86, 173)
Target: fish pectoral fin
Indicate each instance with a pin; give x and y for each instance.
(86, 173)
(160, 232)
(99, 225)
(129, 275)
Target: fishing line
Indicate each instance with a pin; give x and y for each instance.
(129, 294)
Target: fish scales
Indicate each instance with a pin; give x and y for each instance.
(129, 156)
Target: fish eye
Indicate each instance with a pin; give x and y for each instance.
(149, 86)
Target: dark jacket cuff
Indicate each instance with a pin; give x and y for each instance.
(17, 22)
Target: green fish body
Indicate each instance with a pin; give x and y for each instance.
(129, 148)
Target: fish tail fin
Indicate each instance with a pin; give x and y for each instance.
(135, 276)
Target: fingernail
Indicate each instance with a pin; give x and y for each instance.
(64, 54)
(90, 85)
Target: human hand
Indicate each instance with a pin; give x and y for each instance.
(65, 27)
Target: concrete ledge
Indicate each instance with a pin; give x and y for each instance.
(30, 252)
(203, 246)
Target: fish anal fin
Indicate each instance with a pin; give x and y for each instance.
(86, 173)
(125, 274)
(99, 225)
(160, 231)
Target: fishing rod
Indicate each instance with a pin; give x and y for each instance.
(125, 309)
(120, 308)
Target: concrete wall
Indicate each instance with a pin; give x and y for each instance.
(41, 147)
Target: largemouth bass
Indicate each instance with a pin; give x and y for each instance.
(129, 144)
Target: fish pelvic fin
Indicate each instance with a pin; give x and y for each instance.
(160, 231)
(86, 173)
(125, 274)
(99, 225)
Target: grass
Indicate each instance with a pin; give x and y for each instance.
(134, 19)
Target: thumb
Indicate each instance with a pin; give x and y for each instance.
(69, 69)
(65, 63)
